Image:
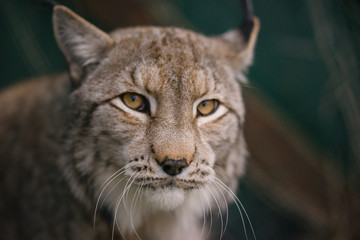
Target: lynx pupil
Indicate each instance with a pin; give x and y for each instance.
(134, 101)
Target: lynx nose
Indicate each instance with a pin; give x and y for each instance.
(174, 167)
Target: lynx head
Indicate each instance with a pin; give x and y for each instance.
(155, 114)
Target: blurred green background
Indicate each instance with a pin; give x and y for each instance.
(306, 67)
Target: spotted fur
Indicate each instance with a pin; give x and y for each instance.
(77, 163)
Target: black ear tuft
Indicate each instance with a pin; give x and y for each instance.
(247, 25)
(243, 38)
(48, 3)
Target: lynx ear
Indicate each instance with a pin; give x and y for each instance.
(243, 39)
(82, 43)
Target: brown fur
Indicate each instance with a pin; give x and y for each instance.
(63, 137)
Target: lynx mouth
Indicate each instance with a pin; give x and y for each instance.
(168, 183)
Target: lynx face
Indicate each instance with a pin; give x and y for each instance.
(156, 117)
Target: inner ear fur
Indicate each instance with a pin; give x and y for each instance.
(81, 42)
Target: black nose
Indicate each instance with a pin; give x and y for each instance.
(174, 167)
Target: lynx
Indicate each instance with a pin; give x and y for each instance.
(141, 139)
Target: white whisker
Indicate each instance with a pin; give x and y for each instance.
(113, 175)
(104, 186)
(219, 209)
(222, 172)
(238, 205)
(132, 207)
(111, 190)
(126, 188)
(204, 213)
(211, 217)
(225, 202)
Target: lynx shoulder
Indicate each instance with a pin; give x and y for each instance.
(139, 140)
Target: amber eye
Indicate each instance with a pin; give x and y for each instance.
(134, 101)
(207, 107)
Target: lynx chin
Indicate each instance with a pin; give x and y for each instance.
(141, 139)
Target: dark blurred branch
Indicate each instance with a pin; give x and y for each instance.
(297, 179)
(336, 44)
(46, 3)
